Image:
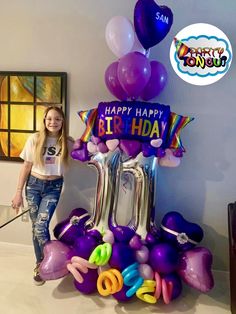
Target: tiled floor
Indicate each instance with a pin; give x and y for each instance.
(18, 295)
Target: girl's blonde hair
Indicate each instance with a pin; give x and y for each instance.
(42, 136)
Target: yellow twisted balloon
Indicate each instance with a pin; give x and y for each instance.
(147, 287)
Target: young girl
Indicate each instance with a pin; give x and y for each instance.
(45, 158)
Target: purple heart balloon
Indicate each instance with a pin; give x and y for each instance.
(81, 154)
(152, 22)
(68, 230)
(56, 257)
(189, 234)
(195, 269)
(130, 148)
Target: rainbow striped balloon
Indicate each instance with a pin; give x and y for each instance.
(177, 123)
(88, 117)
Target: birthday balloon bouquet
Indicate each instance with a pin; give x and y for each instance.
(136, 260)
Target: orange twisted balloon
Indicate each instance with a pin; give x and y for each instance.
(109, 282)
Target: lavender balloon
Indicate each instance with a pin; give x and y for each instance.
(195, 269)
(56, 257)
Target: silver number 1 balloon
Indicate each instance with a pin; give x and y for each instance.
(107, 166)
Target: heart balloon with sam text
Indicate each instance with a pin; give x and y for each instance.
(152, 22)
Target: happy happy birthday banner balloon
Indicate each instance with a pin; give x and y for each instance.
(134, 126)
(131, 120)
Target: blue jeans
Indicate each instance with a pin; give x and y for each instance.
(42, 197)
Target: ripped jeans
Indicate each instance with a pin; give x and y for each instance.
(42, 197)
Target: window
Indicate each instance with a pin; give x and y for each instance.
(23, 99)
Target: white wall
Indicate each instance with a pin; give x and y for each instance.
(58, 35)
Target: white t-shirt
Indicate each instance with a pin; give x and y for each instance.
(51, 154)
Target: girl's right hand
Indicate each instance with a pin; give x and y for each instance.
(17, 202)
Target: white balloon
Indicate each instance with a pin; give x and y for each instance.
(120, 35)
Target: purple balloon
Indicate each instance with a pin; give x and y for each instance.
(122, 233)
(148, 150)
(130, 147)
(89, 285)
(195, 269)
(157, 81)
(121, 295)
(160, 152)
(112, 82)
(151, 22)
(68, 230)
(122, 256)
(174, 221)
(134, 71)
(84, 246)
(56, 257)
(163, 258)
(152, 239)
(177, 284)
(95, 234)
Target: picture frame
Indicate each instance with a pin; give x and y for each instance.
(24, 96)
